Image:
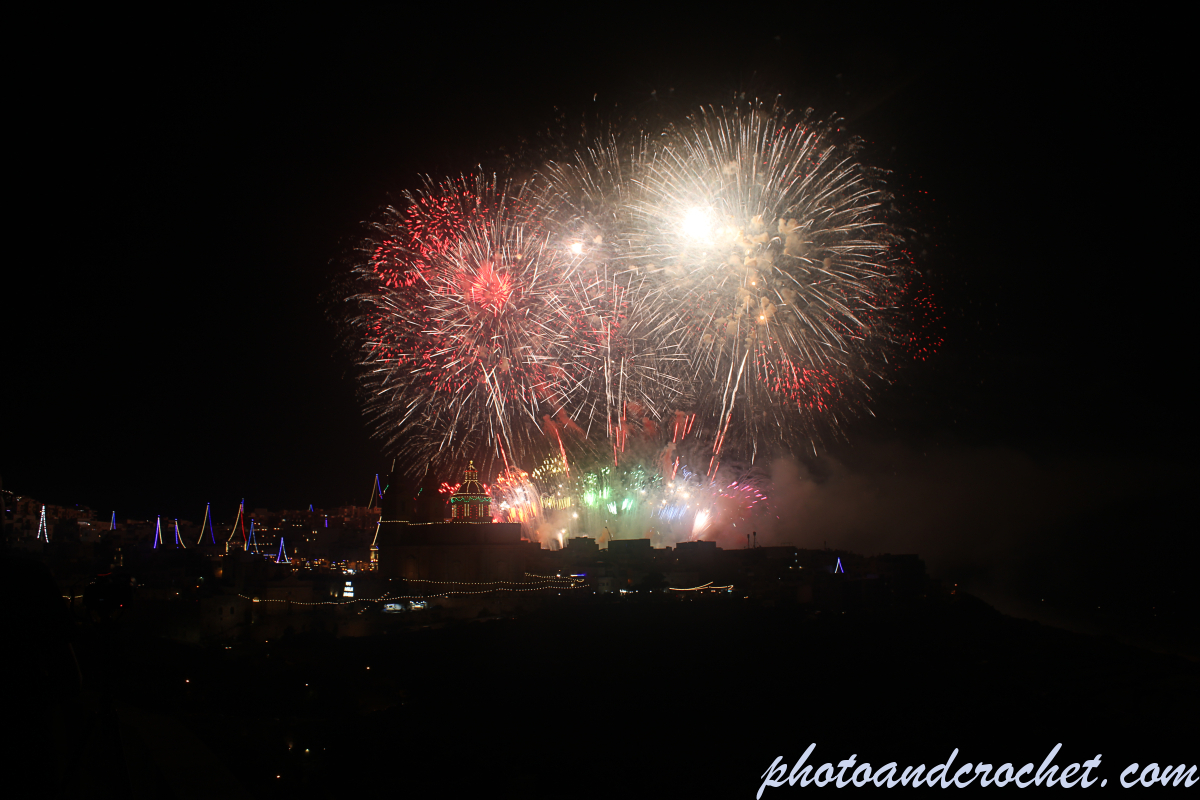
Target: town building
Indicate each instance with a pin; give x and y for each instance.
(468, 548)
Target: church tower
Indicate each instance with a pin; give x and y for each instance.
(470, 503)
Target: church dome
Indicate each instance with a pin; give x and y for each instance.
(471, 503)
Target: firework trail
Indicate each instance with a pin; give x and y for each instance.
(515, 498)
(587, 203)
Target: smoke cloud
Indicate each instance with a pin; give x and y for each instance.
(1003, 525)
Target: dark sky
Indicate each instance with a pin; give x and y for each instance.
(183, 188)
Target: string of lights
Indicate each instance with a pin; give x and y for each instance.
(539, 586)
(481, 591)
(488, 583)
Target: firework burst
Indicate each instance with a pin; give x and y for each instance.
(736, 281)
(771, 264)
(475, 341)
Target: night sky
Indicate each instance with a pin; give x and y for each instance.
(185, 191)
